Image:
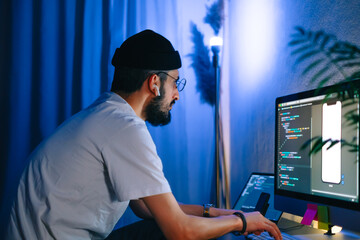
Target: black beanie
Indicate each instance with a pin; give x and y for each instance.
(147, 50)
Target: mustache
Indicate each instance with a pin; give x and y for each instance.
(172, 103)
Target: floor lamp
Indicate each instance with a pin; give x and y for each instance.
(222, 185)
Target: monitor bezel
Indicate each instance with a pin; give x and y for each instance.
(353, 85)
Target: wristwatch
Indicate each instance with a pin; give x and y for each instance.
(243, 230)
(207, 207)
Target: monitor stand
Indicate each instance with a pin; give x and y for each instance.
(329, 231)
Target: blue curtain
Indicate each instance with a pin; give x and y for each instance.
(55, 60)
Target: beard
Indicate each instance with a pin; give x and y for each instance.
(154, 113)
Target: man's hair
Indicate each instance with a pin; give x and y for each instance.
(147, 50)
(129, 80)
(144, 50)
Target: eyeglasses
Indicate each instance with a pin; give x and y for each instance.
(180, 83)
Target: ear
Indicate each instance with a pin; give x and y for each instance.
(154, 84)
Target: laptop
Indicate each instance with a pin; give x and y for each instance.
(247, 200)
(255, 185)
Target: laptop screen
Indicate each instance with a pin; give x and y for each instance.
(256, 184)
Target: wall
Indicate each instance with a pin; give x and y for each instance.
(268, 71)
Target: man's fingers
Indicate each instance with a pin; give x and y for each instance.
(276, 228)
(257, 223)
(273, 230)
(258, 232)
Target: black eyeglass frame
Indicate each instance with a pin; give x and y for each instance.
(180, 83)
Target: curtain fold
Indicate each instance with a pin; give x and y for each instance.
(56, 59)
(5, 63)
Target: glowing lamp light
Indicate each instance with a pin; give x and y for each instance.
(255, 37)
(216, 41)
(215, 44)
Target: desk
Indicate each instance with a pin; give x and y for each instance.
(303, 232)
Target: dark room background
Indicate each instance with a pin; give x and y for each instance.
(55, 60)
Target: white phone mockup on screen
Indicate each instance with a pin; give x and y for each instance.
(331, 129)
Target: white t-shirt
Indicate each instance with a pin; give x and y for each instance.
(80, 180)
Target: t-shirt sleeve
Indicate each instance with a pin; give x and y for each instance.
(134, 167)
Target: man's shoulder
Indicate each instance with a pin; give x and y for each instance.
(110, 109)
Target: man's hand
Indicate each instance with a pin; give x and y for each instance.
(175, 223)
(257, 223)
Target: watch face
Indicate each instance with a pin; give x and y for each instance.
(207, 207)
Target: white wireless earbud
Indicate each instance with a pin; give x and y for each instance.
(157, 90)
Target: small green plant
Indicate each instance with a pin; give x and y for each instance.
(328, 60)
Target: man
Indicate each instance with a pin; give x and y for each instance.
(82, 178)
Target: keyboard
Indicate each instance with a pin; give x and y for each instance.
(266, 236)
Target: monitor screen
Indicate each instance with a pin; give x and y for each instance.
(331, 175)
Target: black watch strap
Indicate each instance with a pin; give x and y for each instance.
(243, 230)
(207, 207)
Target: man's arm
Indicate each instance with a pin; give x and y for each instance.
(175, 224)
(141, 210)
(198, 210)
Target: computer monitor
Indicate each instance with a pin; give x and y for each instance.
(329, 177)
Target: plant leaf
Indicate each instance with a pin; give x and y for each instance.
(325, 41)
(333, 143)
(342, 59)
(297, 42)
(300, 30)
(318, 35)
(307, 55)
(351, 64)
(312, 65)
(320, 73)
(325, 80)
(301, 49)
